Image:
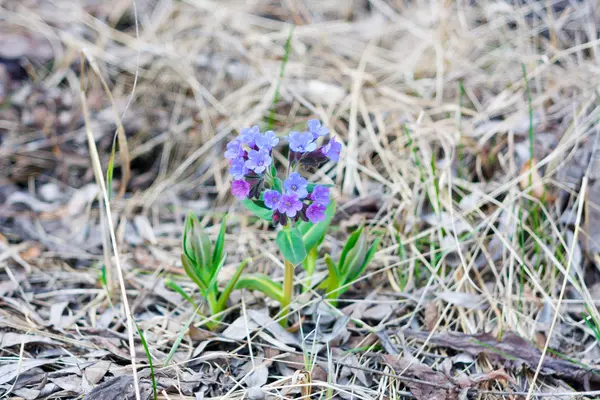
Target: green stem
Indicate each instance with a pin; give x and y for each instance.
(213, 305)
(288, 286)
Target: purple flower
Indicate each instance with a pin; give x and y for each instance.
(238, 168)
(267, 140)
(234, 149)
(316, 129)
(248, 135)
(316, 212)
(289, 205)
(295, 183)
(258, 160)
(332, 150)
(301, 142)
(271, 198)
(320, 194)
(240, 189)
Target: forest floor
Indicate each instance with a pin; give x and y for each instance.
(469, 147)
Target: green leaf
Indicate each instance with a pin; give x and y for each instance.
(333, 280)
(368, 257)
(220, 243)
(291, 245)
(176, 288)
(278, 185)
(202, 251)
(349, 245)
(190, 270)
(258, 209)
(354, 259)
(197, 247)
(263, 284)
(212, 284)
(273, 170)
(312, 234)
(222, 302)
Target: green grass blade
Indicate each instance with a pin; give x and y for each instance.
(531, 136)
(286, 56)
(110, 169)
(147, 350)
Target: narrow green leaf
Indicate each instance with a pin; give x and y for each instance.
(261, 283)
(278, 185)
(149, 357)
(220, 243)
(222, 302)
(176, 288)
(273, 170)
(258, 209)
(110, 169)
(203, 253)
(354, 259)
(212, 284)
(291, 245)
(333, 279)
(349, 245)
(369, 256)
(312, 234)
(191, 273)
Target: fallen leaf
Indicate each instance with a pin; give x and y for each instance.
(96, 372)
(8, 339)
(531, 181)
(121, 388)
(240, 328)
(263, 320)
(512, 350)
(9, 371)
(428, 384)
(466, 300)
(431, 315)
(424, 383)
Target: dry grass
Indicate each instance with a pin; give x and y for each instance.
(431, 104)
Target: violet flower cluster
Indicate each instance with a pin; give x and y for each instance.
(255, 176)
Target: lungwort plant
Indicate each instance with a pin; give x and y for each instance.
(202, 262)
(303, 209)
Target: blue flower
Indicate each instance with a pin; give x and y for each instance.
(258, 160)
(248, 135)
(267, 140)
(332, 150)
(234, 149)
(315, 212)
(316, 129)
(238, 168)
(295, 183)
(289, 205)
(301, 142)
(320, 194)
(271, 198)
